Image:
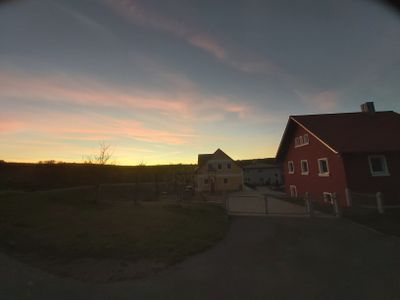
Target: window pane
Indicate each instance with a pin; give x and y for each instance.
(377, 164)
(323, 166)
(304, 166)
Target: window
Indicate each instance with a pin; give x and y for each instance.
(225, 180)
(210, 167)
(219, 166)
(291, 167)
(323, 167)
(304, 167)
(228, 165)
(301, 140)
(305, 139)
(206, 181)
(293, 191)
(378, 165)
(328, 197)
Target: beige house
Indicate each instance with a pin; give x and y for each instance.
(217, 172)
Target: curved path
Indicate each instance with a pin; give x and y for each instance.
(261, 258)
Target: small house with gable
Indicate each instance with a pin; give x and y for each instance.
(217, 172)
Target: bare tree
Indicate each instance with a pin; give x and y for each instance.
(102, 157)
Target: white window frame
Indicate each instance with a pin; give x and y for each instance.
(301, 166)
(291, 189)
(326, 195)
(385, 171)
(290, 162)
(306, 140)
(319, 166)
(296, 142)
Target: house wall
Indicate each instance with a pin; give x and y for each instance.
(312, 183)
(233, 175)
(361, 180)
(263, 175)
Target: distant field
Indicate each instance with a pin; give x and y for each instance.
(56, 229)
(29, 177)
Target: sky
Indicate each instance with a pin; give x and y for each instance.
(162, 81)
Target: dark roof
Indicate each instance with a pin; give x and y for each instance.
(202, 159)
(349, 132)
(261, 166)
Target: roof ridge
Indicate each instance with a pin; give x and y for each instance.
(345, 113)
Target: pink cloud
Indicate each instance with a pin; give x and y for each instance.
(7, 126)
(83, 91)
(186, 103)
(208, 44)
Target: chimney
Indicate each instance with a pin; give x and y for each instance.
(368, 107)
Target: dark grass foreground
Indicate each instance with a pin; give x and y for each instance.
(60, 229)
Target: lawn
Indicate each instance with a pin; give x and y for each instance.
(388, 223)
(68, 226)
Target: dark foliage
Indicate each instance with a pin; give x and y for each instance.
(22, 176)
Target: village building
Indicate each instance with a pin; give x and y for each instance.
(217, 172)
(258, 173)
(335, 154)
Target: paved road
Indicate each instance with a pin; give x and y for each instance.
(253, 202)
(261, 258)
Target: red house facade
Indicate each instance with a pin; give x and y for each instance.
(331, 153)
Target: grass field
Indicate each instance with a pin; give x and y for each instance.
(69, 225)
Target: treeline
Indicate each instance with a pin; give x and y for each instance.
(25, 176)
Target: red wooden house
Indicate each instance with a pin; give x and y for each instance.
(329, 153)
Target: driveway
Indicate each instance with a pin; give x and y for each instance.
(261, 201)
(261, 258)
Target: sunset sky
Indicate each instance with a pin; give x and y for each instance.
(161, 81)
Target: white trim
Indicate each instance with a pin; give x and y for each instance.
(325, 194)
(293, 188)
(310, 132)
(290, 162)
(300, 141)
(325, 174)
(301, 166)
(306, 141)
(385, 171)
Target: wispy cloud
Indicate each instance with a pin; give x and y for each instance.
(80, 17)
(186, 101)
(134, 12)
(320, 101)
(209, 45)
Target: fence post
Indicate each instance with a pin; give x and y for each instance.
(266, 203)
(348, 197)
(227, 204)
(379, 202)
(338, 212)
(309, 207)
